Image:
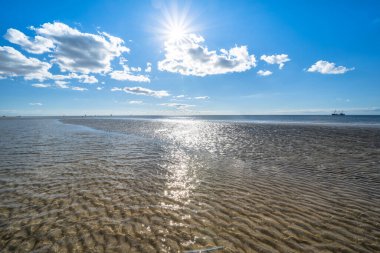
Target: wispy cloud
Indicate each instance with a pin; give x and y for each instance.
(325, 67)
(116, 89)
(343, 100)
(143, 91)
(78, 88)
(135, 102)
(83, 78)
(202, 97)
(36, 104)
(178, 106)
(62, 84)
(41, 85)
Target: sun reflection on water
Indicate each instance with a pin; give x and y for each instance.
(183, 169)
(181, 179)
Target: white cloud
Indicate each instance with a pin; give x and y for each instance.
(13, 63)
(126, 73)
(62, 84)
(325, 67)
(146, 92)
(81, 52)
(180, 96)
(148, 68)
(135, 69)
(135, 102)
(75, 52)
(81, 78)
(78, 88)
(87, 79)
(35, 104)
(264, 73)
(178, 106)
(202, 97)
(41, 85)
(143, 91)
(188, 56)
(122, 75)
(99, 88)
(279, 59)
(38, 46)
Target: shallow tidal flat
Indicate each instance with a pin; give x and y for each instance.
(116, 185)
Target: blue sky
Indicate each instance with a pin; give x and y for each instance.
(189, 57)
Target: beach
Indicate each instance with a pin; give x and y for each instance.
(171, 184)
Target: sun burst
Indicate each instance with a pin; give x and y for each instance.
(176, 32)
(176, 24)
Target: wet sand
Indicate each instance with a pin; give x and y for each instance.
(95, 185)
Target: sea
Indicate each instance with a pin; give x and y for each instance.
(184, 183)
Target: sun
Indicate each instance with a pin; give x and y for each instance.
(176, 32)
(176, 23)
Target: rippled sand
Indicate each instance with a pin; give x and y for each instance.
(169, 186)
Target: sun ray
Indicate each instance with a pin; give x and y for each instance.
(176, 23)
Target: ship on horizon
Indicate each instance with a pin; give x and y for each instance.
(336, 113)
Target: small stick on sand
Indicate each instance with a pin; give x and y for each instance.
(204, 250)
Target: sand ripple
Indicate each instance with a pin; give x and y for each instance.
(170, 186)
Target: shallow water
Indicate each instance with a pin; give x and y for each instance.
(125, 185)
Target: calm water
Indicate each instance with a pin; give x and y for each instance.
(158, 184)
(353, 120)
